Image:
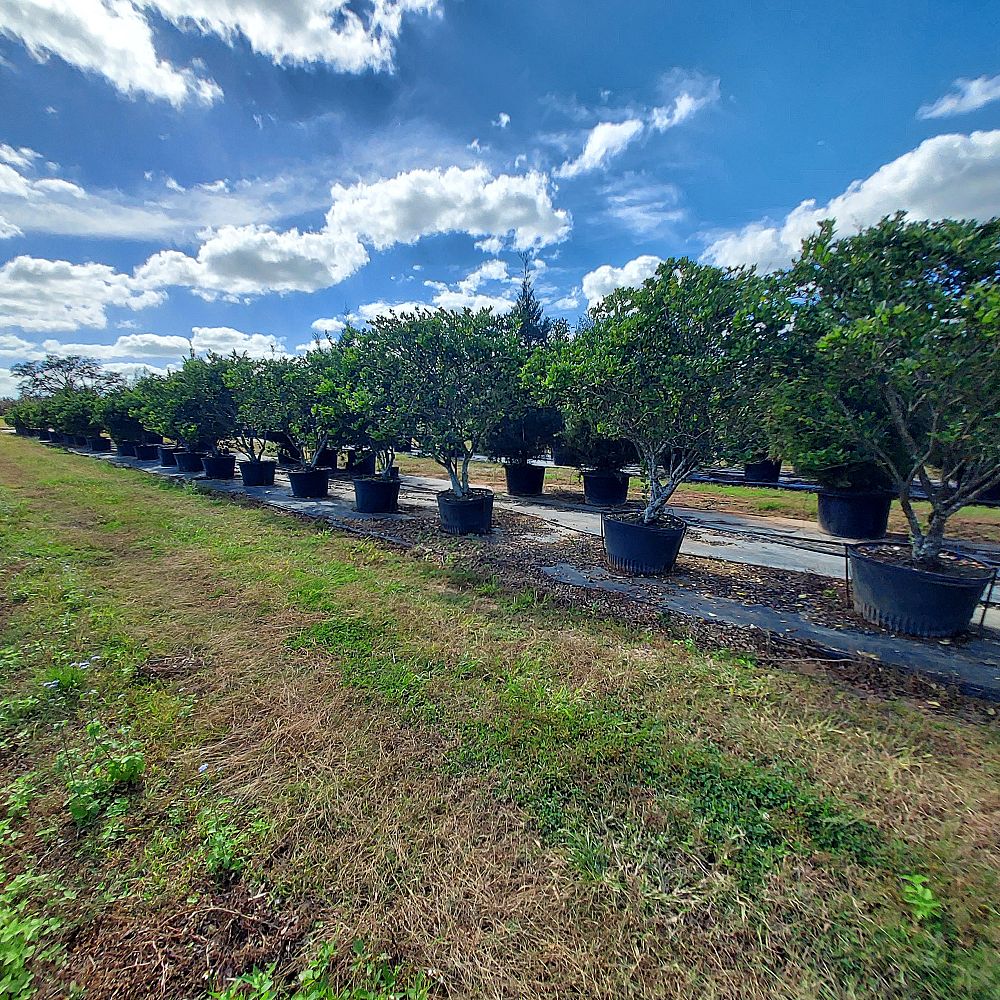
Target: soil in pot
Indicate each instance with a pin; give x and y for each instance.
(219, 466)
(376, 496)
(147, 453)
(847, 514)
(642, 549)
(167, 459)
(257, 473)
(762, 472)
(468, 515)
(605, 489)
(309, 483)
(189, 462)
(126, 449)
(99, 444)
(888, 590)
(525, 480)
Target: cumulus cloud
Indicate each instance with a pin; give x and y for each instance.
(966, 96)
(225, 340)
(949, 176)
(134, 345)
(8, 384)
(605, 141)
(8, 230)
(113, 40)
(605, 279)
(19, 159)
(251, 260)
(12, 346)
(39, 294)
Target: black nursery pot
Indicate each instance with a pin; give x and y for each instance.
(848, 514)
(762, 472)
(126, 449)
(642, 549)
(470, 515)
(257, 473)
(80, 441)
(605, 489)
(189, 462)
(310, 483)
(219, 466)
(364, 467)
(525, 480)
(147, 453)
(902, 598)
(167, 456)
(376, 496)
(99, 444)
(44, 436)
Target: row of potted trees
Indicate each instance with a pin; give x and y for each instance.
(872, 364)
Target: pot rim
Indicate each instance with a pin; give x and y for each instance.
(628, 518)
(984, 571)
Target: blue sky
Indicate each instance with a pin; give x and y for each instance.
(247, 173)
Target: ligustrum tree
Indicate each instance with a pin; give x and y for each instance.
(675, 367)
(453, 374)
(905, 317)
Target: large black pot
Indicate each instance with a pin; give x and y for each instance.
(257, 473)
(376, 496)
(640, 549)
(992, 495)
(126, 449)
(854, 515)
(525, 480)
(219, 466)
(364, 466)
(605, 489)
(470, 515)
(327, 458)
(902, 598)
(189, 462)
(167, 456)
(99, 444)
(147, 453)
(309, 483)
(44, 436)
(80, 441)
(762, 472)
(562, 456)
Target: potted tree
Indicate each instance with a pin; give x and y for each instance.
(453, 374)
(311, 418)
(669, 367)
(378, 423)
(599, 460)
(117, 419)
(257, 387)
(194, 406)
(906, 318)
(24, 416)
(75, 413)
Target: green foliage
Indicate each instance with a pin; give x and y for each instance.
(53, 374)
(258, 389)
(919, 896)
(222, 842)
(75, 411)
(453, 374)
(676, 367)
(899, 327)
(115, 415)
(192, 405)
(581, 447)
(372, 977)
(24, 415)
(94, 774)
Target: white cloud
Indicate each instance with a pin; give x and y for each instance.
(967, 95)
(347, 36)
(605, 279)
(330, 325)
(8, 384)
(112, 39)
(19, 159)
(503, 120)
(251, 260)
(39, 294)
(949, 176)
(642, 205)
(134, 370)
(134, 345)
(567, 302)
(225, 340)
(16, 347)
(492, 244)
(8, 230)
(685, 104)
(605, 140)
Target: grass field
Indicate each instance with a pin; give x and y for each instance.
(232, 744)
(972, 523)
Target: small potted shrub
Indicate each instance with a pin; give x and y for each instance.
(257, 387)
(452, 375)
(24, 416)
(599, 461)
(117, 419)
(670, 367)
(192, 405)
(905, 319)
(75, 413)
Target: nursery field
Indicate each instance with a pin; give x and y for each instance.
(234, 744)
(972, 523)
